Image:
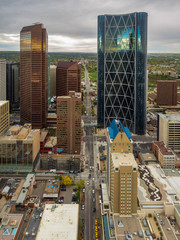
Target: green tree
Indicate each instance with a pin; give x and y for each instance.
(83, 109)
(92, 112)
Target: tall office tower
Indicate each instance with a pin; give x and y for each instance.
(68, 78)
(167, 93)
(69, 122)
(4, 116)
(13, 85)
(34, 75)
(122, 69)
(49, 81)
(123, 183)
(52, 80)
(2, 79)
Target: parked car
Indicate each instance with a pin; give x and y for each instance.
(82, 207)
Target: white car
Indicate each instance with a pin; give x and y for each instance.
(93, 191)
(82, 207)
(73, 193)
(84, 190)
(93, 179)
(87, 183)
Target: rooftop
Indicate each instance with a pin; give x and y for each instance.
(16, 132)
(115, 127)
(163, 149)
(25, 189)
(170, 118)
(10, 224)
(3, 102)
(123, 159)
(65, 64)
(43, 135)
(59, 222)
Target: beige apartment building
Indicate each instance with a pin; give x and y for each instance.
(4, 116)
(123, 183)
(69, 123)
(169, 131)
(20, 146)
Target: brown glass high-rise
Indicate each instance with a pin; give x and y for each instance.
(34, 75)
(68, 78)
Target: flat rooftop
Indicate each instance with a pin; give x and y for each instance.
(123, 159)
(59, 222)
(9, 226)
(122, 224)
(171, 118)
(148, 157)
(8, 137)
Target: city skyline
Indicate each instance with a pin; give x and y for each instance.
(76, 31)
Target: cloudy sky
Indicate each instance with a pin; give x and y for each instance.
(72, 24)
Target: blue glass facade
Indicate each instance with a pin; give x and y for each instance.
(122, 54)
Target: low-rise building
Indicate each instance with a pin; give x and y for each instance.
(19, 148)
(165, 156)
(52, 189)
(59, 222)
(4, 116)
(26, 189)
(10, 226)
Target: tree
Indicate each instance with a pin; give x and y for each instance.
(67, 180)
(92, 112)
(80, 185)
(83, 109)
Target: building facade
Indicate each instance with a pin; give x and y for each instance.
(4, 116)
(34, 75)
(123, 183)
(119, 140)
(13, 85)
(68, 78)
(69, 123)
(167, 93)
(19, 147)
(168, 131)
(165, 156)
(3, 79)
(52, 80)
(122, 70)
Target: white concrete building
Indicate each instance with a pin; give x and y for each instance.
(59, 222)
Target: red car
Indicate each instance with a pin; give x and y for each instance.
(83, 198)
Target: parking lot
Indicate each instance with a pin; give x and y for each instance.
(67, 194)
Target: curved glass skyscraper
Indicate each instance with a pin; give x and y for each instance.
(122, 69)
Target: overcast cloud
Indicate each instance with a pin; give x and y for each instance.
(72, 24)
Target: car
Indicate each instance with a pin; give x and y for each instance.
(94, 209)
(93, 191)
(83, 199)
(74, 189)
(61, 197)
(84, 190)
(82, 207)
(83, 220)
(94, 199)
(61, 201)
(93, 179)
(73, 193)
(87, 183)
